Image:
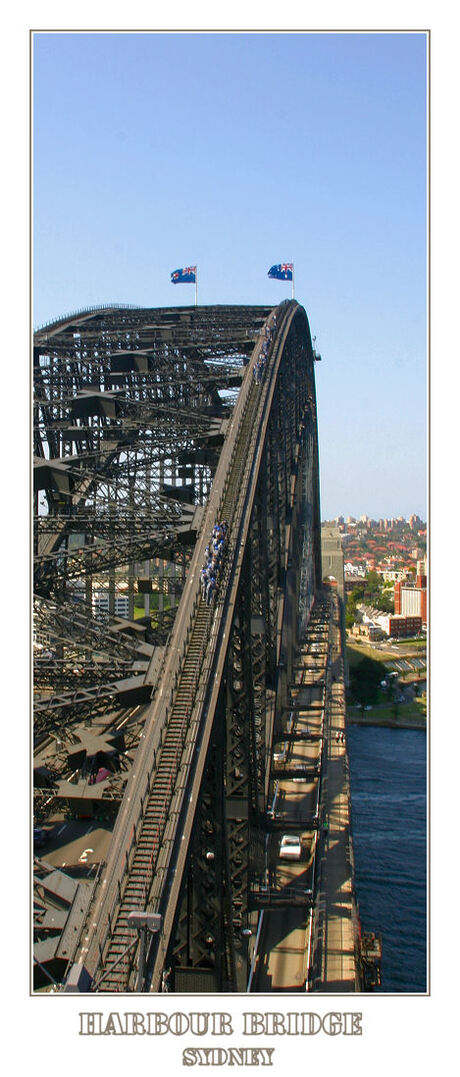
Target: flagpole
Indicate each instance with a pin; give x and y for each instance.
(196, 286)
(292, 296)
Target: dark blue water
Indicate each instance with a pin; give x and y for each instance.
(388, 797)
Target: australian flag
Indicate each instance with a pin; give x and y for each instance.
(281, 272)
(184, 276)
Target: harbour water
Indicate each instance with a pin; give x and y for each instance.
(388, 797)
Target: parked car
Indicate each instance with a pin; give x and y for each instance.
(290, 847)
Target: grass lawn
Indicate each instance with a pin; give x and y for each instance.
(139, 610)
(355, 652)
(384, 712)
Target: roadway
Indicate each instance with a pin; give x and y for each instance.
(75, 843)
(312, 946)
(282, 961)
(335, 965)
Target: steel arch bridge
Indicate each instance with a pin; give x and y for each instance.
(150, 427)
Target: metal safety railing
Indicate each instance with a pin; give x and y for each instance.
(118, 305)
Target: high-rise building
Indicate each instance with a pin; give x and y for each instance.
(101, 603)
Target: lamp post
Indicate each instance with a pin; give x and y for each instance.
(142, 922)
(246, 933)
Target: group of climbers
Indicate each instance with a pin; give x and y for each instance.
(214, 555)
(209, 575)
(259, 365)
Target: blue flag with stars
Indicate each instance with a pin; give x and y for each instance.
(184, 276)
(281, 272)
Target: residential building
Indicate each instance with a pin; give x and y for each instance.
(368, 631)
(399, 627)
(392, 575)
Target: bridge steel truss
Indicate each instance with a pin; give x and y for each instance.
(130, 412)
(159, 449)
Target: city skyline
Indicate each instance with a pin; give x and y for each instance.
(322, 165)
(365, 516)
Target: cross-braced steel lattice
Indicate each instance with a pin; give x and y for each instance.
(150, 426)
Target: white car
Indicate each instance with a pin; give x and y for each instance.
(290, 847)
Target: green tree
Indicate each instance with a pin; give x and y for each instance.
(386, 601)
(350, 614)
(372, 587)
(355, 596)
(365, 678)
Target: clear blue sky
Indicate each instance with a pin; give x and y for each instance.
(234, 152)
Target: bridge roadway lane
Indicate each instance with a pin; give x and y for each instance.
(282, 964)
(337, 970)
(334, 962)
